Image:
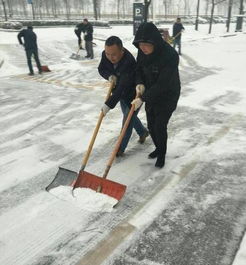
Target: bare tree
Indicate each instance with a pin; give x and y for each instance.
(240, 18)
(206, 6)
(197, 14)
(167, 4)
(4, 10)
(230, 4)
(10, 7)
(214, 3)
(54, 8)
(95, 8)
(67, 9)
(118, 8)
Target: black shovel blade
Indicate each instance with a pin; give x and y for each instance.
(63, 177)
(75, 56)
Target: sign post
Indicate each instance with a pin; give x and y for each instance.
(138, 15)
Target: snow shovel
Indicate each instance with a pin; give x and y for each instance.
(171, 39)
(67, 177)
(45, 68)
(103, 185)
(76, 55)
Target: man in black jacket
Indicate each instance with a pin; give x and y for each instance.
(88, 37)
(118, 66)
(78, 30)
(158, 83)
(177, 32)
(31, 47)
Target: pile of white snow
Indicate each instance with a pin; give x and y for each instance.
(85, 198)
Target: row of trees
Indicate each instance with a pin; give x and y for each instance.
(108, 8)
(115, 9)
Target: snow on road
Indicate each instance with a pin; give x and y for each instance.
(46, 121)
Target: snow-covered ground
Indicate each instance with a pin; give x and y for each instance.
(46, 122)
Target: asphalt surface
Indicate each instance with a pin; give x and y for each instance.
(192, 212)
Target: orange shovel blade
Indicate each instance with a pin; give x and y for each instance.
(111, 188)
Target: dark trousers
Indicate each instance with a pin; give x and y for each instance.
(29, 54)
(79, 41)
(89, 49)
(177, 42)
(135, 123)
(157, 125)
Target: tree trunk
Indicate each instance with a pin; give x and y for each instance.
(23, 3)
(95, 5)
(118, 9)
(67, 9)
(197, 14)
(54, 10)
(4, 10)
(240, 19)
(211, 17)
(229, 15)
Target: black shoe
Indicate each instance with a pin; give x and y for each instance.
(153, 154)
(87, 56)
(160, 162)
(40, 72)
(142, 138)
(120, 153)
(31, 74)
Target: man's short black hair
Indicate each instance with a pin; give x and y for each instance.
(114, 40)
(30, 27)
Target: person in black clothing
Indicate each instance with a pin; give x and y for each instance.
(118, 66)
(31, 47)
(88, 37)
(158, 82)
(78, 29)
(177, 32)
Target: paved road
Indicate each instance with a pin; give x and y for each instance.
(191, 212)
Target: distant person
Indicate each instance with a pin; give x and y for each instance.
(118, 66)
(78, 30)
(31, 47)
(88, 37)
(157, 79)
(178, 28)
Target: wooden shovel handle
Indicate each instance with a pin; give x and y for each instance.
(120, 138)
(93, 138)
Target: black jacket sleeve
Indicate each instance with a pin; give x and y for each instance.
(104, 68)
(19, 36)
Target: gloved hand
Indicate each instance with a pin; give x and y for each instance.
(105, 109)
(137, 102)
(112, 79)
(140, 88)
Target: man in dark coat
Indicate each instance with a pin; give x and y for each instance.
(78, 30)
(31, 47)
(158, 83)
(118, 66)
(177, 32)
(88, 37)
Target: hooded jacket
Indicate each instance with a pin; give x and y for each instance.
(158, 71)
